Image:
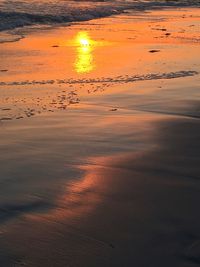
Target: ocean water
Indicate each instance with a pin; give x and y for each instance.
(17, 13)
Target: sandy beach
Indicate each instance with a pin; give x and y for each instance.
(99, 141)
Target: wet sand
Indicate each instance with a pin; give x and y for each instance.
(100, 143)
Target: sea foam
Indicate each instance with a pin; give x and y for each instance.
(15, 13)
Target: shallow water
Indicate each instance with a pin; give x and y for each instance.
(55, 68)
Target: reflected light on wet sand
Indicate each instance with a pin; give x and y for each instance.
(84, 61)
(79, 198)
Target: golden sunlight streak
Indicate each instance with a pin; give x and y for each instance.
(84, 61)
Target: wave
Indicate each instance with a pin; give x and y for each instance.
(118, 79)
(15, 13)
(11, 20)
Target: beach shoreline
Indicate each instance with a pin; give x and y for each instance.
(100, 143)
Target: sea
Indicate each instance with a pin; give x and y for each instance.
(19, 13)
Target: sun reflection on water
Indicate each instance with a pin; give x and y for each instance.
(84, 62)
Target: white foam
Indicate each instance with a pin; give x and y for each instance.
(119, 79)
(15, 13)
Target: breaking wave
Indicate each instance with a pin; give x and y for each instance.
(15, 13)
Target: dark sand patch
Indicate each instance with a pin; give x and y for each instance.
(122, 203)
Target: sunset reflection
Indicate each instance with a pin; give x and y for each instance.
(85, 45)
